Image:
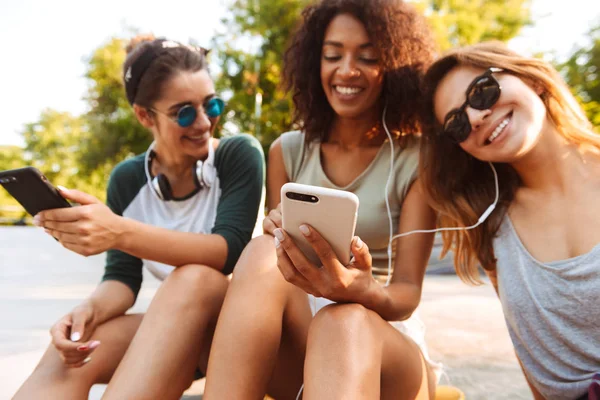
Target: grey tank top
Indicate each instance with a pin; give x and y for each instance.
(552, 311)
(303, 165)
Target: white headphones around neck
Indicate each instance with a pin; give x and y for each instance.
(483, 217)
(204, 174)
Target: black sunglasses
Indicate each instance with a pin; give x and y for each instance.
(481, 94)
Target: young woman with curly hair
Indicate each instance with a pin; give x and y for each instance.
(349, 60)
(541, 245)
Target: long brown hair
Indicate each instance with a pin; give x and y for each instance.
(461, 187)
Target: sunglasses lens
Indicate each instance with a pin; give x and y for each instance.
(484, 93)
(214, 107)
(457, 126)
(186, 116)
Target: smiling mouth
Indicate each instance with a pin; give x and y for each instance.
(499, 129)
(347, 90)
(196, 138)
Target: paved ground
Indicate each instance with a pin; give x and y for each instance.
(40, 281)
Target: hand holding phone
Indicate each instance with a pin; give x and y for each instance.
(331, 212)
(328, 218)
(32, 190)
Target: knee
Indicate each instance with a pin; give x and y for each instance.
(193, 284)
(349, 324)
(257, 262)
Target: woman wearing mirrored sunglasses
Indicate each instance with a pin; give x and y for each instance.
(185, 209)
(541, 246)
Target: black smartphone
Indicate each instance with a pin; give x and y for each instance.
(32, 190)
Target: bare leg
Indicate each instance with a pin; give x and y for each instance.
(174, 337)
(260, 340)
(166, 350)
(354, 354)
(52, 380)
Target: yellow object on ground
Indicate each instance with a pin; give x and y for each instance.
(448, 393)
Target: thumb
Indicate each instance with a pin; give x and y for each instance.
(360, 251)
(77, 196)
(78, 326)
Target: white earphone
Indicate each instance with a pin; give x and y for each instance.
(483, 217)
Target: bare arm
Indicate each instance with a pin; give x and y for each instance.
(94, 227)
(354, 283)
(111, 299)
(276, 175)
(276, 178)
(402, 296)
(171, 247)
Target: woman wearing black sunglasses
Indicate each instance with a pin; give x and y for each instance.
(185, 209)
(541, 246)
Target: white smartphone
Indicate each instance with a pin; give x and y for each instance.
(331, 212)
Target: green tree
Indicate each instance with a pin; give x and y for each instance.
(464, 22)
(113, 131)
(53, 145)
(582, 73)
(10, 157)
(249, 53)
(254, 78)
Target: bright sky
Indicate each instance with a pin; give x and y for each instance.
(45, 42)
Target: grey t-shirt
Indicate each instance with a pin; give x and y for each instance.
(552, 311)
(303, 165)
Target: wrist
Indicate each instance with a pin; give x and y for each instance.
(374, 295)
(91, 308)
(123, 233)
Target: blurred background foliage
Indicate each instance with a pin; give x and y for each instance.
(80, 151)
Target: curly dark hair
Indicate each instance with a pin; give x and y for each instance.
(400, 35)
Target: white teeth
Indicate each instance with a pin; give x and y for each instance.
(347, 90)
(499, 129)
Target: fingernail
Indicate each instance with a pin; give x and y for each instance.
(61, 188)
(87, 360)
(277, 243)
(359, 243)
(304, 229)
(279, 235)
(83, 348)
(75, 336)
(37, 220)
(94, 344)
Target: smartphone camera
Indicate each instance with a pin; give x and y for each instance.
(8, 179)
(308, 198)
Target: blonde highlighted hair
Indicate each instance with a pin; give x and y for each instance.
(461, 187)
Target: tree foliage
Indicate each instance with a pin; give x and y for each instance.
(464, 22)
(266, 26)
(53, 145)
(80, 151)
(582, 72)
(11, 157)
(114, 133)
